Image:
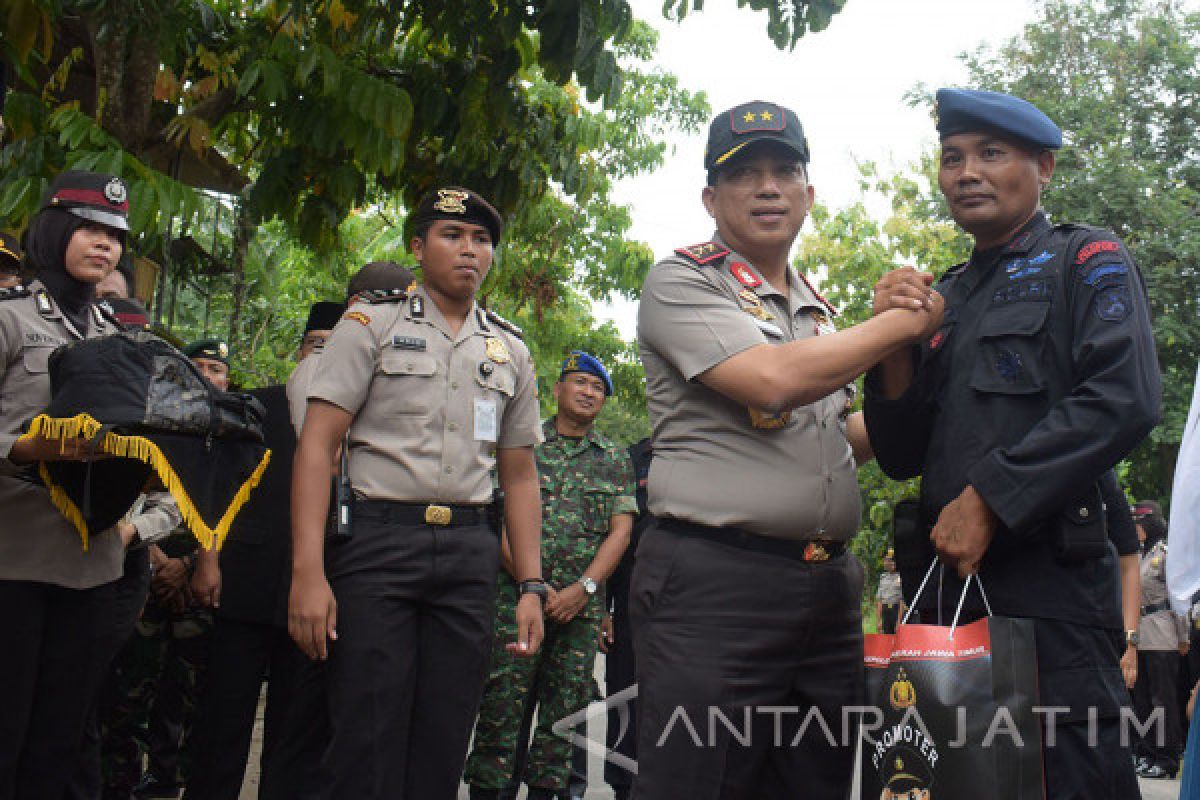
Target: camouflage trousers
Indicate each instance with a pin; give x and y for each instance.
(155, 682)
(558, 680)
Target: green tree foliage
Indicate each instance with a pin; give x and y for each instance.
(787, 20)
(1122, 78)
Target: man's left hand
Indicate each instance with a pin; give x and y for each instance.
(567, 603)
(963, 532)
(529, 627)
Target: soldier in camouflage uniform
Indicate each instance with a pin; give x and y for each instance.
(160, 669)
(588, 505)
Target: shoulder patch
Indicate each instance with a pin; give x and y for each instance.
(375, 296)
(13, 292)
(501, 322)
(1093, 249)
(704, 253)
(359, 317)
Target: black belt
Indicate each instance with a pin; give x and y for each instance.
(436, 514)
(1156, 607)
(812, 551)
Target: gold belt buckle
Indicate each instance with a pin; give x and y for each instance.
(815, 551)
(438, 515)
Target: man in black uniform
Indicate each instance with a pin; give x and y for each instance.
(1041, 377)
(250, 639)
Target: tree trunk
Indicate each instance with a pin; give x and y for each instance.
(243, 230)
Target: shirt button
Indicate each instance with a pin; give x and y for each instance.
(453, 426)
(454, 384)
(449, 470)
(1083, 512)
(829, 478)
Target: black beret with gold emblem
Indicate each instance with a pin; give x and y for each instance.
(458, 204)
(95, 196)
(732, 131)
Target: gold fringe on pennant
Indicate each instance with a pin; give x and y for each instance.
(146, 451)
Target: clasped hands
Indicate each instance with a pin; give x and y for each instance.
(965, 528)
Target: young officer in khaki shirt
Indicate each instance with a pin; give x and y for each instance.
(743, 596)
(434, 392)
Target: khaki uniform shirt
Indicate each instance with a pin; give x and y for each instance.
(711, 465)
(297, 387)
(37, 543)
(890, 592)
(1159, 630)
(430, 407)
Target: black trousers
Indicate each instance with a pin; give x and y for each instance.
(55, 660)
(1158, 687)
(241, 656)
(416, 607)
(889, 617)
(737, 653)
(1079, 669)
(129, 596)
(620, 672)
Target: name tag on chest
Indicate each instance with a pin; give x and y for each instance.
(485, 420)
(408, 342)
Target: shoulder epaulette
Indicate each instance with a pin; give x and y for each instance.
(13, 292)
(704, 253)
(106, 312)
(817, 294)
(376, 296)
(501, 322)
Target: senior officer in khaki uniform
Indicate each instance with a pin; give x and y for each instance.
(56, 599)
(434, 392)
(744, 599)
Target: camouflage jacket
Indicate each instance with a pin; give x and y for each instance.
(584, 483)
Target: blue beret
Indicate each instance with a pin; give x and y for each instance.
(969, 110)
(579, 361)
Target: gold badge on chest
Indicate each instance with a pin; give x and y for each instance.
(822, 323)
(752, 305)
(496, 350)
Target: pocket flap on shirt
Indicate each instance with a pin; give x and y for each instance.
(1015, 319)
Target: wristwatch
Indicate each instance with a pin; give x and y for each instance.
(1132, 639)
(535, 586)
(588, 585)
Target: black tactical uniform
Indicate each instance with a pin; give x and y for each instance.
(250, 644)
(1042, 376)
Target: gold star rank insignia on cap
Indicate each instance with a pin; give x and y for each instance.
(766, 116)
(748, 116)
(496, 351)
(451, 201)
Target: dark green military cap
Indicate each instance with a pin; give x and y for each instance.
(213, 349)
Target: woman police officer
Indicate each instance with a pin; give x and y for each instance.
(53, 593)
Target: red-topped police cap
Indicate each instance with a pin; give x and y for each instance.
(757, 121)
(95, 196)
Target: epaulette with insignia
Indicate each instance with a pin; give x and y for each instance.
(375, 296)
(13, 292)
(704, 253)
(505, 324)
